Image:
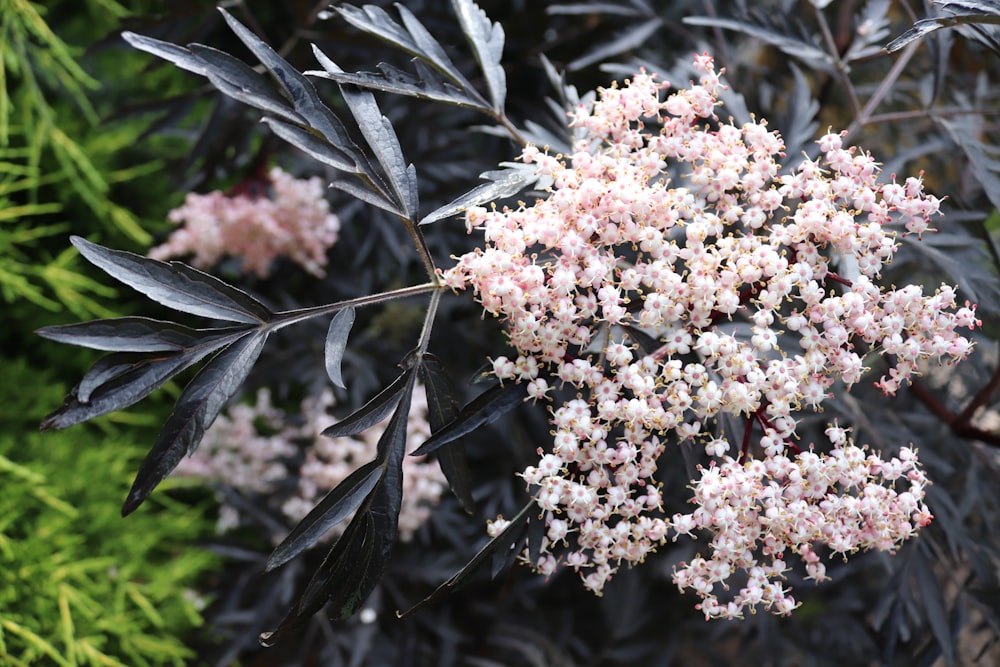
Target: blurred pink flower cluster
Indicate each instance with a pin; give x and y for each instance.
(759, 288)
(294, 222)
(255, 447)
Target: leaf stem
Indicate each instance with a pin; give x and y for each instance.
(883, 89)
(425, 333)
(413, 229)
(838, 61)
(289, 317)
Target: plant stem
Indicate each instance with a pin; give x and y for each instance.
(289, 317)
(425, 333)
(883, 89)
(838, 61)
(422, 250)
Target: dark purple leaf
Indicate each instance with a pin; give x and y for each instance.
(125, 334)
(345, 498)
(933, 603)
(353, 566)
(382, 139)
(350, 558)
(414, 38)
(427, 84)
(483, 409)
(373, 195)
(442, 408)
(119, 380)
(506, 182)
(370, 413)
(239, 81)
(501, 544)
(196, 409)
(309, 142)
(486, 39)
(175, 285)
(297, 88)
(178, 55)
(336, 343)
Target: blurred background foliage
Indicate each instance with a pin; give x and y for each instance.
(102, 141)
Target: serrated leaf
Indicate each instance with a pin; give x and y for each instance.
(235, 78)
(375, 197)
(872, 27)
(231, 76)
(961, 13)
(297, 87)
(500, 544)
(792, 46)
(920, 29)
(125, 334)
(371, 413)
(487, 40)
(195, 410)
(113, 366)
(442, 408)
(483, 409)
(178, 55)
(349, 557)
(336, 343)
(311, 144)
(413, 38)
(381, 138)
(427, 85)
(626, 40)
(175, 285)
(121, 379)
(115, 382)
(933, 603)
(506, 182)
(338, 504)
(619, 9)
(800, 124)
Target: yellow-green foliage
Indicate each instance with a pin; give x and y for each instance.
(79, 585)
(59, 166)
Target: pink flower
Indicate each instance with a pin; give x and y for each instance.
(295, 222)
(619, 245)
(235, 454)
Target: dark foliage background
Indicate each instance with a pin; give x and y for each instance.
(929, 106)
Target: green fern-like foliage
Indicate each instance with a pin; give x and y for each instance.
(78, 584)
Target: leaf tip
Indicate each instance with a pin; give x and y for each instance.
(132, 502)
(273, 562)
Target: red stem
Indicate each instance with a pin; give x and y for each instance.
(959, 423)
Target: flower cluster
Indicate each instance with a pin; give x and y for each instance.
(676, 273)
(295, 222)
(763, 510)
(255, 447)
